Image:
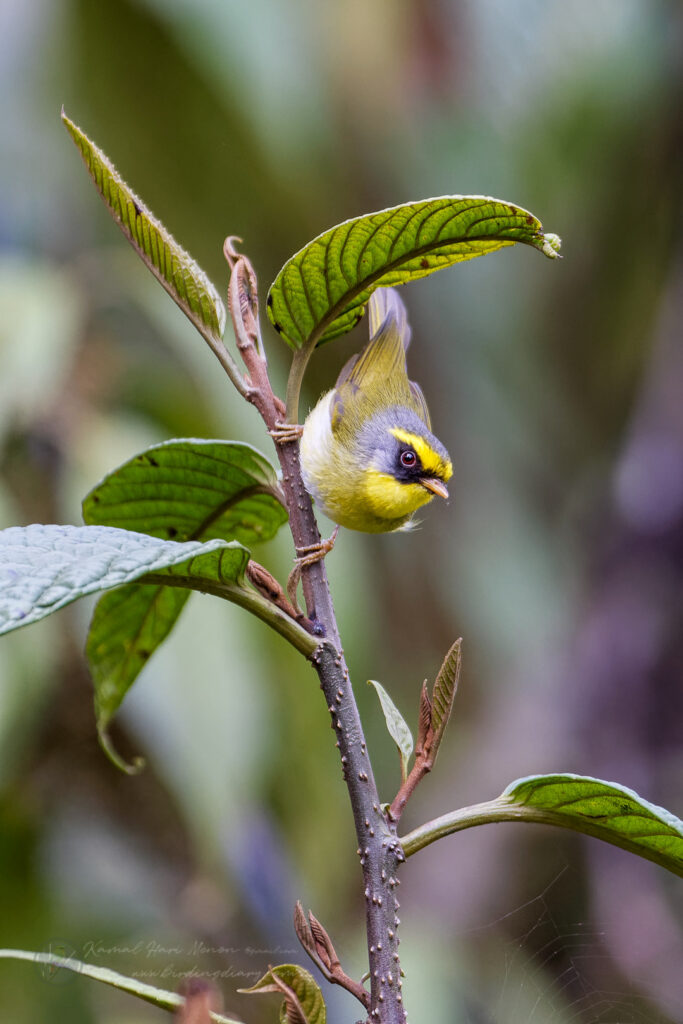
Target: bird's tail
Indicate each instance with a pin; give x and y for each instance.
(387, 305)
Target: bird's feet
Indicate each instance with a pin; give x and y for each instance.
(308, 556)
(285, 433)
(316, 552)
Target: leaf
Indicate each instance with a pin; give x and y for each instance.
(397, 726)
(605, 810)
(321, 292)
(303, 931)
(304, 987)
(44, 568)
(184, 490)
(149, 993)
(127, 626)
(176, 271)
(443, 696)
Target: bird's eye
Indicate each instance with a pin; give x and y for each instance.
(408, 459)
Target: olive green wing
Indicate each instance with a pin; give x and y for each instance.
(420, 404)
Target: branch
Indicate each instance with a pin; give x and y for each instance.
(379, 849)
(246, 597)
(266, 583)
(605, 810)
(433, 719)
(318, 945)
(201, 1001)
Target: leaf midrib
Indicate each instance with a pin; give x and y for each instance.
(354, 291)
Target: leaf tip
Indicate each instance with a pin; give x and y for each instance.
(67, 122)
(136, 765)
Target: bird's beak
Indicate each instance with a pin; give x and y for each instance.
(432, 483)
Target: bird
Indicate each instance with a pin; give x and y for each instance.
(367, 454)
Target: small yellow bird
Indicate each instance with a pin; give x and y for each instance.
(368, 456)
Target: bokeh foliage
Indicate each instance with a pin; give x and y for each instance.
(558, 558)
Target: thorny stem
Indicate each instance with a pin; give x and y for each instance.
(378, 846)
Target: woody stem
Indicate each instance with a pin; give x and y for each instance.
(378, 846)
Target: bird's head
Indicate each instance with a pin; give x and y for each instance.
(406, 465)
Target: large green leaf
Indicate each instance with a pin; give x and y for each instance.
(321, 292)
(44, 568)
(189, 488)
(149, 993)
(185, 490)
(177, 272)
(605, 810)
(127, 626)
(303, 1002)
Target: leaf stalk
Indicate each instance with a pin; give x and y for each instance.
(503, 808)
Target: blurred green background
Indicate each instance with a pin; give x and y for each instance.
(557, 388)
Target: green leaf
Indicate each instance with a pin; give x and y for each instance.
(127, 626)
(306, 992)
(321, 292)
(605, 810)
(176, 271)
(44, 568)
(186, 489)
(396, 725)
(183, 490)
(149, 993)
(443, 695)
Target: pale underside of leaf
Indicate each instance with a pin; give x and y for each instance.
(396, 725)
(604, 810)
(44, 568)
(148, 993)
(173, 267)
(321, 292)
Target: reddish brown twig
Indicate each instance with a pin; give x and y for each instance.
(266, 583)
(201, 1000)
(432, 721)
(318, 945)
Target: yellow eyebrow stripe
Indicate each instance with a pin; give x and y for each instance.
(431, 460)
